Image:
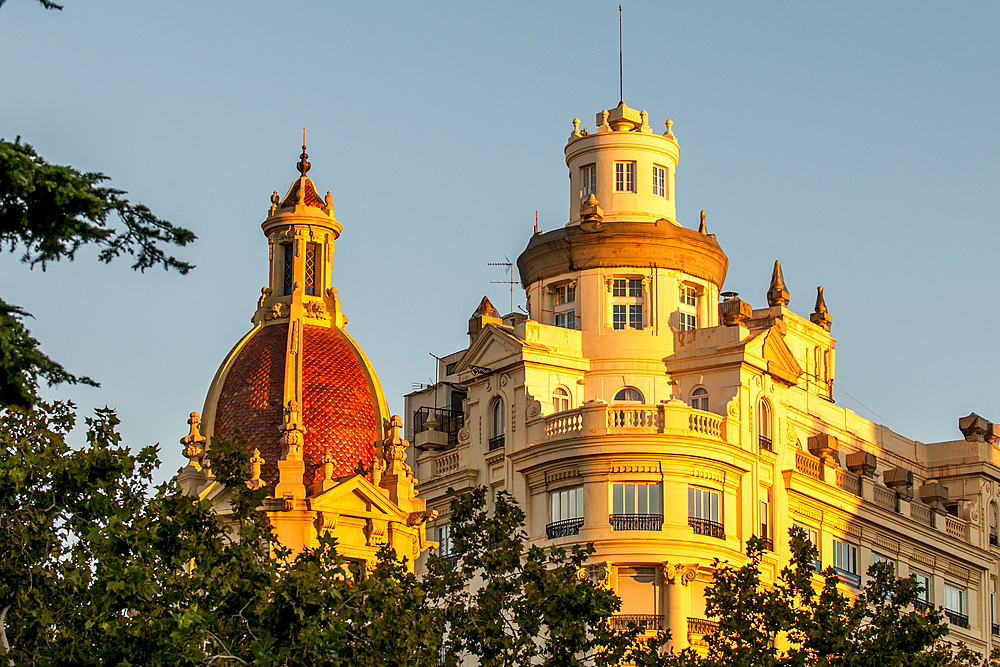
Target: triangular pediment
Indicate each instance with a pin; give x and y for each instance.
(492, 347)
(356, 495)
(777, 357)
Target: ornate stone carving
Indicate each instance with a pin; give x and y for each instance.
(418, 518)
(314, 309)
(679, 573)
(194, 443)
(463, 435)
(394, 447)
(292, 433)
(326, 522)
(602, 574)
(376, 529)
(278, 312)
(256, 461)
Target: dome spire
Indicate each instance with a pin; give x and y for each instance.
(777, 295)
(303, 165)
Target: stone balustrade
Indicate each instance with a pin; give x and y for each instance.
(604, 419)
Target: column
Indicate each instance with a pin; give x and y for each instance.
(677, 577)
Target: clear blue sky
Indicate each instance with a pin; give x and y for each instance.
(857, 142)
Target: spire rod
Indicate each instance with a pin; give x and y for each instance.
(303, 165)
(621, 78)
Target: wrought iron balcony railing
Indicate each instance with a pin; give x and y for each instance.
(564, 528)
(636, 521)
(923, 605)
(765, 443)
(961, 620)
(706, 527)
(496, 442)
(645, 622)
(701, 626)
(449, 421)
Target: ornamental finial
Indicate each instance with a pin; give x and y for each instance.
(777, 295)
(303, 165)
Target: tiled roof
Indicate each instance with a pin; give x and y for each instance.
(337, 406)
(250, 400)
(312, 197)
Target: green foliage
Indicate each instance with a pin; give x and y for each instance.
(48, 212)
(530, 607)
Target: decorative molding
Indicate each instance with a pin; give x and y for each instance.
(924, 558)
(710, 475)
(630, 468)
(886, 544)
(679, 573)
(808, 512)
(558, 475)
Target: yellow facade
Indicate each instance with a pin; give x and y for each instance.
(639, 407)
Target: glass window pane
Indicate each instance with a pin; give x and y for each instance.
(642, 492)
(619, 499)
(654, 499)
(715, 507)
(630, 499)
(691, 501)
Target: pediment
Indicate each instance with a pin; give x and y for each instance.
(778, 358)
(356, 495)
(491, 347)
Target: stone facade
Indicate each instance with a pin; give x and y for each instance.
(639, 407)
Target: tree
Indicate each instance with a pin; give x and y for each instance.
(48, 212)
(528, 607)
(792, 623)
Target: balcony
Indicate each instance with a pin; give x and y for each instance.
(922, 605)
(636, 521)
(701, 626)
(564, 528)
(496, 442)
(765, 443)
(603, 419)
(993, 540)
(645, 622)
(848, 578)
(706, 527)
(449, 422)
(955, 618)
(995, 629)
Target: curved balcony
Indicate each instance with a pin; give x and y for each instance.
(645, 622)
(564, 528)
(636, 521)
(603, 419)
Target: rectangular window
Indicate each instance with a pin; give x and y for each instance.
(619, 313)
(878, 558)
(687, 322)
(765, 519)
(636, 498)
(565, 294)
(845, 561)
(703, 504)
(688, 296)
(924, 582)
(566, 504)
(624, 176)
(444, 539)
(589, 179)
(634, 316)
(659, 181)
(955, 605)
(288, 269)
(619, 287)
(566, 320)
(311, 251)
(813, 536)
(635, 288)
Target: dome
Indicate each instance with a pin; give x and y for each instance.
(342, 407)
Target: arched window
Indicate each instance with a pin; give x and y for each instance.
(699, 399)
(764, 425)
(496, 424)
(628, 395)
(560, 399)
(993, 524)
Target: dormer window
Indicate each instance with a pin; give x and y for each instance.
(624, 176)
(288, 271)
(659, 181)
(589, 177)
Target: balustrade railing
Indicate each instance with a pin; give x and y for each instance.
(445, 464)
(564, 423)
(886, 498)
(636, 521)
(922, 513)
(564, 528)
(807, 464)
(633, 417)
(956, 528)
(849, 482)
(705, 422)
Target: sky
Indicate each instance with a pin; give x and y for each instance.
(858, 143)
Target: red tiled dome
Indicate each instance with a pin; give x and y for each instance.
(339, 410)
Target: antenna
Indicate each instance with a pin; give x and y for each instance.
(510, 281)
(536, 222)
(621, 82)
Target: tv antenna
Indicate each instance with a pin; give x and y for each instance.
(510, 278)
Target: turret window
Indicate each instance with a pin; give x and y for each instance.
(624, 176)
(565, 315)
(589, 174)
(659, 181)
(289, 274)
(688, 307)
(311, 252)
(627, 315)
